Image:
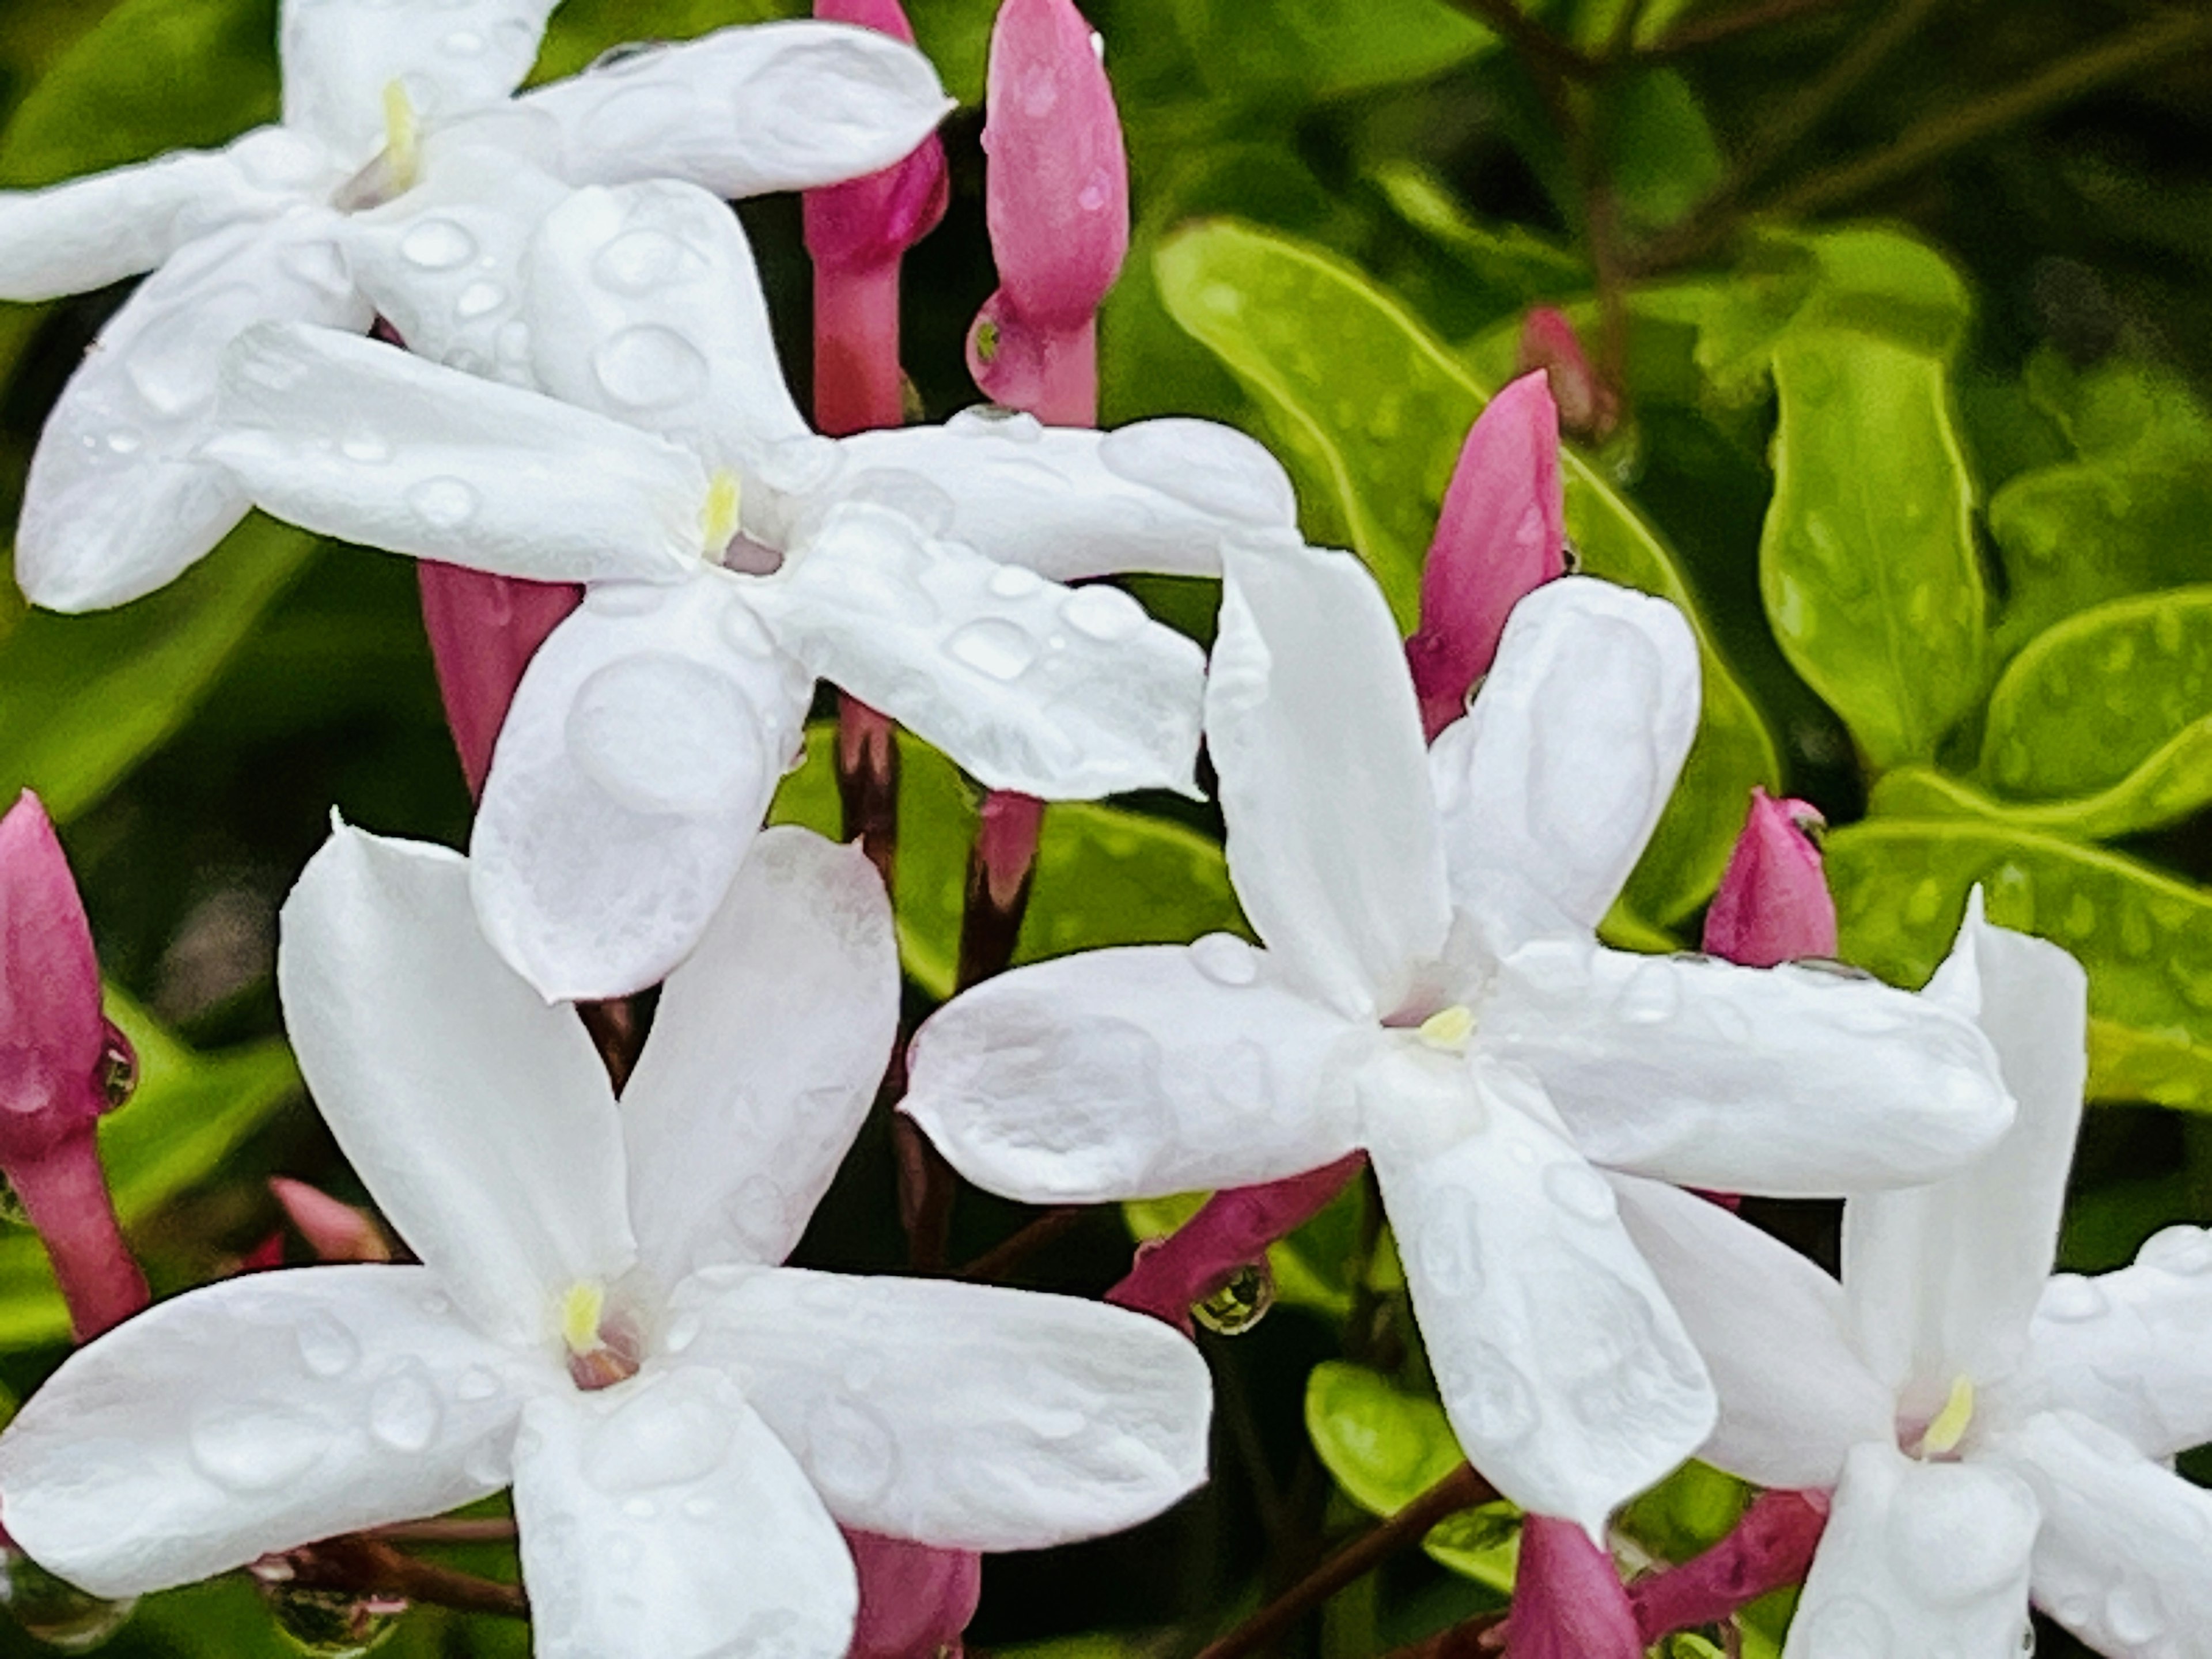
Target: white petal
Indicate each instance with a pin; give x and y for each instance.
(1334, 843)
(645, 306)
(1568, 1379)
(1136, 1072)
(1795, 1395)
(1918, 1559)
(2130, 1348)
(2120, 1559)
(767, 1048)
(1787, 1080)
(965, 1416)
(1031, 687)
(1554, 781)
(480, 1119)
(355, 440)
(662, 1519)
(1068, 503)
(259, 1412)
(645, 741)
(1943, 1280)
(746, 111)
(449, 57)
(118, 502)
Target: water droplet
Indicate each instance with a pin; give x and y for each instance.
(480, 300)
(1485, 1388)
(326, 1348)
(682, 1331)
(665, 1436)
(1014, 581)
(1829, 968)
(1581, 1191)
(1098, 190)
(55, 1614)
(404, 1413)
(2185, 1252)
(994, 647)
(744, 633)
(326, 1624)
(1241, 1304)
(852, 1453)
(2132, 1614)
(1651, 996)
(319, 265)
(1105, 614)
(662, 733)
(1850, 1627)
(463, 43)
(1225, 959)
(437, 244)
(650, 367)
(171, 363)
(475, 1385)
(2072, 1299)
(443, 503)
(117, 1072)
(368, 448)
(640, 1508)
(1450, 1254)
(996, 421)
(700, 1507)
(123, 441)
(638, 261)
(255, 1448)
(629, 51)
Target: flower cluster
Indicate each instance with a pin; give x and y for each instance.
(573, 385)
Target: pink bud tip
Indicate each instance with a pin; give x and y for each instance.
(335, 1231)
(1567, 1600)
(483, 631)
(1588, 406)
(1057, 187)
(915, 1599)
(865, 223)
(1770, 1546)
(1502, 533)
(53, 1038)
(1773, 902)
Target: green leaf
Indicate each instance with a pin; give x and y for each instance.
(1105, 875)
(190, 1112)
(2113, 704)
(1384, 1446)
(1373, 411)
(1662, 155)
(1314, 49)
(1868, 563)
(582, 30)
(84, 699)
(1507, 257)
(2145, 937)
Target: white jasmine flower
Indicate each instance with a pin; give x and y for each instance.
(1431, 992)
(599, 1320)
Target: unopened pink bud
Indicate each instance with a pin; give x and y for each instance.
(483, 631)
(1568, 1599)
(1503, 534)
(53, 1037)
(1773, 904)
(335, 1230)
(866, 222)
(1770, 1546)
(1588, 407)
(915, 1600)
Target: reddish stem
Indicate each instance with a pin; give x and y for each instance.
(1770, 1547)
(1000, 867)
(65, 1193)
(858, 383)
(868, 781)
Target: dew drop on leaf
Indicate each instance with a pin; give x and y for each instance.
(1241, 1304)
(332, 1624)
(55, 1614)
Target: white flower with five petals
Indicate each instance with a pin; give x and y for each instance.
(408, 104)
(733, 556)
(1992, 1432)
(598, 1319)
(1431, 992)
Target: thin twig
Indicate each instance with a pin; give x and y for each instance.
(493, 1529)
(1623, 39)
(366, 1567)
(1015, 1248)
(1461, 1489)
(1526, 35)
(1699, 33)
(1804, 110)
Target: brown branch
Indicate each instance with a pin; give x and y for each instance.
(1699, 33)
(495, 1530)
(1461, 1489)
(1016, 1248)
(361, 1565)
(1532, 40)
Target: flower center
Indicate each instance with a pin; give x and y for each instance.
(403, 138)
(598, 1355)
(1949, 1427)
(1449, 1029)
(718, 518)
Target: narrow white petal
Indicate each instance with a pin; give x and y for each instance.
(767, 1048)
(965, 1416)
(449, 57)
(2120, 1558)
(644, 743)
(355, 440)
(1795, 1395)
(645, 306)
(2130, 1348)
(662, 1519)
(1552, 784)
(119, 501)
(1137, 1073)
(1068, 502)
(479, 1118)
(1567, 1376)
(1787, 1080)
(258, 1413)
(1334, 840)
(745, 111)
(1918, 1559)
(1065, 695)
(1944, 1279)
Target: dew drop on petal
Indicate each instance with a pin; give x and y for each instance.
(54, 1613)
(480, 300)
(437, 244)
(1014, 581)
(638, 261)
(327, 1348)
(1450, 1253)
(404, 1412)
(1105, 614)
(2072, 1299)
(443, 503)
(2185, 1252)
(1241, 1304)
(250, 1449)
(649, 367)
(366, 448)
(852, 1453)
(1580, 1191)
(125, 441)
(1225, 959)
(475, 1385)
(994, 647)
(2132, 1614)
(330, 1624)
(622, 735)
(1850, 1627)
(657, 1438)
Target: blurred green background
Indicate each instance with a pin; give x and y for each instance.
(1908, 307)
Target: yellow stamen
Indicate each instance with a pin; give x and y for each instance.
(719, 522)
(1449, 1029)
(403, 137)
(1949, 1427)
(579, 1316)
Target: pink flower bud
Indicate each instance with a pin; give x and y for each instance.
(53, 1037)
(1503, 534)
(1588, 408)
(1567, 1600)
(915, 1600)
(483, 631)
(868, 223)
(1773, 902)
(1770, 1546)
(336, 1231)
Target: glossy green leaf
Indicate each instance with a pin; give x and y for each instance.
(1329, 48)
(1868, 563)
(190, 1111)
(1662, 155)
(1372, 411)
(1105, 875)
(1507, 257)
(2145, 937)
(1922, 791)
(1384, 1446)
(84, 699)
